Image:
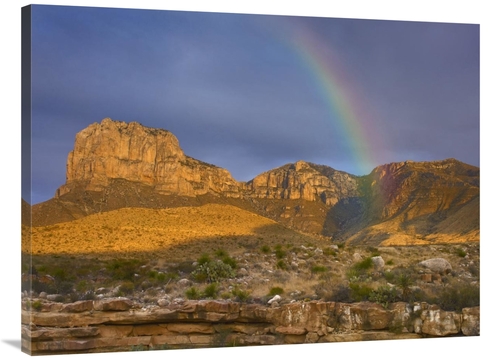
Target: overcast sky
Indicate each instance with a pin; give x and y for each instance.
(253, 92)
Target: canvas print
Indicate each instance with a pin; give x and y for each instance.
(198, 180)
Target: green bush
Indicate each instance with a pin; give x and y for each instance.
(192, 293)
(405, 281)
(280, 253)
(390, 276)
(457, 296)
(127, 287)
(221, 253)
(280, 264)
(36, 305)
(213, 271)
(461, 252)
(123, 269)
(318, 269)
(384, 295)
(64, 287)
(211, 291)
(204, 258)
(360, 292)
(230, 261)
(241, 295)
(265, 249)
(364, 265)
(328, 251)
(276, 291)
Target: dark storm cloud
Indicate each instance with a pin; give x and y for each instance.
(236, 93)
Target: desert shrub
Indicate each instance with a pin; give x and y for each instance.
(230, 261)
(127, 287)
(156, 278)
(360, 291)
(280, 264)
(123, 269)
(241, 295)
(265, 249)
(192, 293)
(60, 274)
(390, 276)
(384, 295)
(38, 286)
(363, 265)
(280, 253)
(221, 253)
(405, 281)
(203, 259)
(276, 291)
(334, 292)
(461, 252)
(457, 296)
(316, 269)
(82, 286)
(211, 291)
(64, 287)
(389, 262)
(36, 305)
(328, 251)
(161, 277)
(213, 271)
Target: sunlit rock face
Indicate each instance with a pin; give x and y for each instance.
(118, 150)
(303, 180)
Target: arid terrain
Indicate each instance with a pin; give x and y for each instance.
(137, 218)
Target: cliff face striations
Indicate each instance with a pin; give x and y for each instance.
(306, 181)
(117, 150)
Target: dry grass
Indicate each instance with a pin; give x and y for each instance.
(179, 232)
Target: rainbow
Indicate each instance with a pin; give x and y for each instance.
(345, 105)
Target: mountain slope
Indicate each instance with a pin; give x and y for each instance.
(117, 165)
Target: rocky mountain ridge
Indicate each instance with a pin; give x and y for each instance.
(116, 164)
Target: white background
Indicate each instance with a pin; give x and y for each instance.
(480, 12)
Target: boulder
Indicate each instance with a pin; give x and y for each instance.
(378, 263)
(470, 323)
(437, 265)
(440, 323)
(275, 299)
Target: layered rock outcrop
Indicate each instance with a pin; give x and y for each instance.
(118, 324)
(130, 151)
(420, 188)
(307, 181)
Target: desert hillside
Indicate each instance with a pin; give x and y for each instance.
(163, 231)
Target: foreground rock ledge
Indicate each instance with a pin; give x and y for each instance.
(120, 325)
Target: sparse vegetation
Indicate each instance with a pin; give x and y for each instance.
(213, 271)
(192, 293)
(265, 249)
(275, 291)
(240, 294)
(457, 296)
(277, 256)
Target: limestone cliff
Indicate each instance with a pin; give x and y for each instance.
(130, 151)
(306, 181)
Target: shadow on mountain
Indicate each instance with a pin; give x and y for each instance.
(346, 216)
